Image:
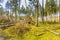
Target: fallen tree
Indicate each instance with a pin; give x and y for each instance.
(51, 31)
(6, 26)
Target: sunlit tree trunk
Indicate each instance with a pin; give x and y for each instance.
(1, 11)
(19, 8)
(43, 11)
(37, 13)
(15, 11)
(11, 14)
(26, 7)
(59, 11)
(46, 10)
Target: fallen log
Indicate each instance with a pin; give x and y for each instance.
(56, 27)
(51, 31)
(6, 26)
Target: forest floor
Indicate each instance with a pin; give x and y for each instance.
(42, 32)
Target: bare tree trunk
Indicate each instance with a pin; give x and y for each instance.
(37, 13)
(43, 11)
(11, 14)
(15, 12)
(59, 11)
(19, 8)
(26, 7)
(46, 17)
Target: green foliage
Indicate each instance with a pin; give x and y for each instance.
(51, 6)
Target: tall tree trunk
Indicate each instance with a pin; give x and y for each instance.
(19, 8)
(54, 20)
(43, 11)
(37, 13)
(46, 16)
(11, 14)
(15, 12)
(26, 7)
(59, 11)
(1, 11)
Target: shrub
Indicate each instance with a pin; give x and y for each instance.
(18, 30)
(29, 20)
(22, 28)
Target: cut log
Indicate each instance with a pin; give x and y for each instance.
(51, 31)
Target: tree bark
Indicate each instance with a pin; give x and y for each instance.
(37, 13)
(43, 11)
(59, 11)
(15, 12)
